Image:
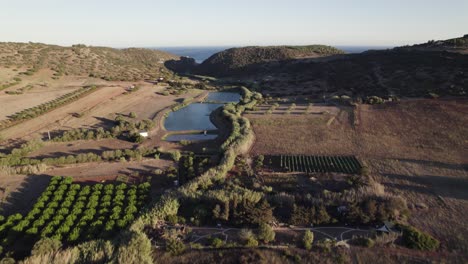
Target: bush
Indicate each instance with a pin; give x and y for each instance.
(217, 242)
(363, 242)
(175, 155)
(245, 235)
(137, 249)
(266, 233)
(175, 247)
(416, 239)
(308, 240)
(46, 246)
(132, 115)
(252, 242)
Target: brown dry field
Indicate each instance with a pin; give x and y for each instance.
(43, 89)
(417, 149)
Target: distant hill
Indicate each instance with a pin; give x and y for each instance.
(458, 45)
(101, 62)
(403, 73)
(233, 60)
(434, 68)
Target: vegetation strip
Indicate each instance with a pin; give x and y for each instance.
(46, 107)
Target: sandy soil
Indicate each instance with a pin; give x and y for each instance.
(11, 104)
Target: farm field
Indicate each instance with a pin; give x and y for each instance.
(71, 213)
(417, 149)
(19, 192)
(38, 88)
(311, 164)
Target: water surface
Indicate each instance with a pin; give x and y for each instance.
(223, 97)
(190, 137)
(195, 116)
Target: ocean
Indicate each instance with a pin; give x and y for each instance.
(202, 53)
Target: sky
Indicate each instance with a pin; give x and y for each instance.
(146, 23)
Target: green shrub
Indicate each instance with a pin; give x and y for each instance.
(175, 155)
(217, 242)
(363, 242)
(308, 240)
(266, 233)
(252, 242)
(416, 239)
(175, 247)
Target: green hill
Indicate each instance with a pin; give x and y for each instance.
(233, 60)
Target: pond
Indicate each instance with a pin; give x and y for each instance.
(195, 116)
(223, 97)
(190, 137)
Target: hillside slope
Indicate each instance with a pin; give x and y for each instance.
(234, 60)
(434, 68)
(106, 63)
(458, 45)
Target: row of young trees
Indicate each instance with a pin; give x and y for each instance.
(73, 213)
(310, 164)
(122, 128)
(17, 156)
(48, 106)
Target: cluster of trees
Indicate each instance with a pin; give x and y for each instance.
(72, 213)
(231, 204)
(17, 157)
(300, 209)
(374, 209)
(122, 127)
(45, 107)
(17, 154)
(416, 239)
(191, 165)
(128, 154)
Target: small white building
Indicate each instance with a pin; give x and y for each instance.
(143, 133)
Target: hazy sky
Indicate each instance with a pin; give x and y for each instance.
(122, 23)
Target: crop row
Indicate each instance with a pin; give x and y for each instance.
(48, 106)
(73, 212)
(313, 164)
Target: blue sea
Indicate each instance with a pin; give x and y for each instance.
(202, 53)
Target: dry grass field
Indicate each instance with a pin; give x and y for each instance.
(417, 149)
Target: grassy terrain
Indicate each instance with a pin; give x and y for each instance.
(106, 63)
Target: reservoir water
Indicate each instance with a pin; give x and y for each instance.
(223, 97)
(196, 116)
(192, 117)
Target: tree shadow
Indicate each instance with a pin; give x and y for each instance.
(452, 166)
(22, 199)
(450, 187)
